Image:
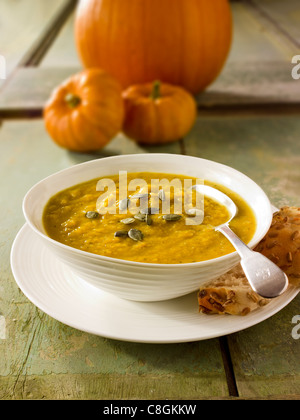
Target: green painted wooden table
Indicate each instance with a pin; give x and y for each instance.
(248, 119)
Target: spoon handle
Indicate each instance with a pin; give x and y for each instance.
(265, 277)
(239, 245)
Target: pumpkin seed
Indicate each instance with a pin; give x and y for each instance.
(161, 195)
(140, 217)
(148, 220)
(135, 235)
(128, 221)
(124, 204)
(92, 215)
(121, 234)
(150, 210)
(172, 217)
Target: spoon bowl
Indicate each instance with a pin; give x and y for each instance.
(265, 277)
(219, 197)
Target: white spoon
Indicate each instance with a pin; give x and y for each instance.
(265, 277)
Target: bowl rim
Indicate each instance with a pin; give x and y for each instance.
(120, 261)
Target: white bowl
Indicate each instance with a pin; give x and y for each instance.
(144, 281)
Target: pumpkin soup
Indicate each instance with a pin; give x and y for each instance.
(162, 226)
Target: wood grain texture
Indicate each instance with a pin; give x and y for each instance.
(284, 16)
(264, 148)
(266, 357)
(22, 23)
(255, 38)
(63, 51)
(247, 85)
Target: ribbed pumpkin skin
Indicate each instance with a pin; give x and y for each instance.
(158, 121)
(92, 122)
(181, 42)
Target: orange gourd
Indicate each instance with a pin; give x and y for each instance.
(86, 111)
(181, 42)
(158, 113)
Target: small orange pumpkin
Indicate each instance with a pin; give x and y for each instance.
(158, 113)
(86, 111)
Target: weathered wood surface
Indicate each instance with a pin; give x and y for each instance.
(15, 99)
(22, 24)
(285, 15)
(63, 51)
(267, 149)
(43, 358)
(242, 86)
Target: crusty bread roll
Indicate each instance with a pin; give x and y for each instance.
(232, 294)
(282, 242)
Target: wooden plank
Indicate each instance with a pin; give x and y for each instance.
(251, 84)
(41, 46)
(266, 148)
(63, 51)
(258, 70)
(254, 39)
(43, 358)
(242, 86)
(21, 26)
(27, 92)
(285, 16)
(265, 357)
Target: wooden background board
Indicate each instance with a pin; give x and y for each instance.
(23, 25)
(42, 358)
(285, 16)
(259, 77)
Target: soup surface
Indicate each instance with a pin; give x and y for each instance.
(181, 230)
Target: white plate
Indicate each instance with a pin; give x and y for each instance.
(52, 287)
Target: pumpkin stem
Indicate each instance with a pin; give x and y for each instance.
(72, 100)
(156, 90)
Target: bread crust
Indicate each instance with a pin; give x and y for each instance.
(229, 294)
(282, 242)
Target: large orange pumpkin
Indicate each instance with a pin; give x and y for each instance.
(181, 42)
